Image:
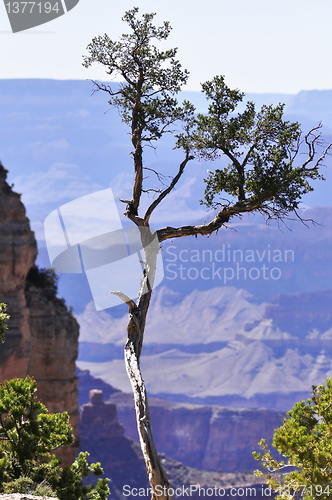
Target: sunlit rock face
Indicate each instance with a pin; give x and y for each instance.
(42, 336)
(18, 251)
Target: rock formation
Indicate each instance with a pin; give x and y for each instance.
(204, 437)
(42, 339)
(100, 419)
(53, 352)
(122, 461)
(103, 437)
(18, 251)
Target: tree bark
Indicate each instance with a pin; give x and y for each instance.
(135, 330)
(156, 474)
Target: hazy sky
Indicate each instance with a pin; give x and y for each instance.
(260, 45)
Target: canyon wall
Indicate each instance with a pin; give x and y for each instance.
(204, 437)
(211, 438)
(122, 460)
(18, 251)
(42, 335)
(103, 437)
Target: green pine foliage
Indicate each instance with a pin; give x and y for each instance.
(151, 77)
(305, 440)
(20, 485)
(264, 169)
(3, 321)
(28, 435)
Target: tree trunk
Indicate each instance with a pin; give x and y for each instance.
(156, 474)
(135, 329)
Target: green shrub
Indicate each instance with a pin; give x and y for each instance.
(20, 485)
(304, 442)
(44, 489)
(27, 486)
(28, 434)
(3, 321)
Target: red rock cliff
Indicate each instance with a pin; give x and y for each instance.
(42, 338)
(18, 251)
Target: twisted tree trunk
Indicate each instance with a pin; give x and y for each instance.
(135, 329)
(156, 474)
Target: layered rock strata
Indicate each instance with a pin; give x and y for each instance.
(204, 437)
(103, 437)
(18, 251)
(53, 352)
(122, 461)
(42, 336)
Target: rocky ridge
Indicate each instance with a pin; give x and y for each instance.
(226, 349)
(211, 438)
(18, 251)
(123, 463)
(42, 335)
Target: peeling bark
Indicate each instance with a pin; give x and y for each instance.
(135, 330)
(156, 474)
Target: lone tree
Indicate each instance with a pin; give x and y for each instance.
(265, 172)
(304, 440)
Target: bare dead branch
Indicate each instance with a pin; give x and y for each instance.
(167, 190)
(104, 88)
(130, 303)
(312, 145)
(161, 177)
(151, 190)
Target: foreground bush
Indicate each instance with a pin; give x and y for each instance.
(28, 435)
(305, 442)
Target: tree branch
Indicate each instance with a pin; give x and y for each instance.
(160, 177)
(167, 190)
(104, 88)
(130, 303)
(136, 141)
(221, 218)
(312, 149)
(240, 170)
